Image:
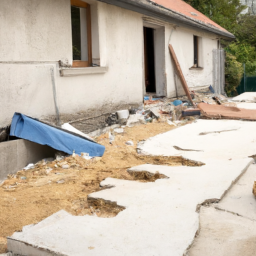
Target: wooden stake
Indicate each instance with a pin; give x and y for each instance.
(179, 71)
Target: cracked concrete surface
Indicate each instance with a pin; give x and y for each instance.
(229, 227)
(239, 142)
(240, 199)
(224, 234)
(159, 218)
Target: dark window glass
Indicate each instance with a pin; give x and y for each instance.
(76, 32)
(195, 51)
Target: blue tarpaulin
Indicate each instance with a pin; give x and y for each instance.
(27, 128)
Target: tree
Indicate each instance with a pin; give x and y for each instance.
(227, 13)
(246, 29)
(223, 12)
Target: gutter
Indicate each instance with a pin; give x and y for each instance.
(148, 8)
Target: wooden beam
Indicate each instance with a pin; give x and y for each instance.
(89, 34)
(80, 64)
(179, 71)
(78, 3)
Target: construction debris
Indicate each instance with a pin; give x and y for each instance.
(49, 188)
(219, 112)
(33, 130)
(71, 128)
(191, 112)
(179, 71)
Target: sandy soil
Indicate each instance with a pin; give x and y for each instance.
(30, 196)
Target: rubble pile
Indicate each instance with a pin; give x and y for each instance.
(182, 109)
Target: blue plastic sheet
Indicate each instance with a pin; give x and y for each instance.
(33, 130)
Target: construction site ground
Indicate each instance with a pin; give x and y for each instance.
(33, 195)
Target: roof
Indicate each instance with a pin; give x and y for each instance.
(187, 10)
(173, 11)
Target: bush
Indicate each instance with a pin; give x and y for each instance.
(233, 74)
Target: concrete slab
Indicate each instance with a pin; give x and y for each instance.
(160, 217)
(246, 96)
(246, 105)
(205, 141)
(224, 234)
(17, 154)
(240, 199)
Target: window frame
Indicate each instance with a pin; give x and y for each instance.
(80, 63)
(196, 52)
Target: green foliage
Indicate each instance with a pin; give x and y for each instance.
(246, 29)
(227, 13)
(223, 12)
(244, 53)
(233, 74)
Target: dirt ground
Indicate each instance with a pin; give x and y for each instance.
(31, 196)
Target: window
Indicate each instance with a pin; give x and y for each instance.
(196, 64)
(81, 33)
(197, 56)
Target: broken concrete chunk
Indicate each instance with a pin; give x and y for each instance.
(245, 97)
(171, 123)
(134, 119)
(119, 130)
(129, 143)
(71, 128)
(65, 166)
(29, 166)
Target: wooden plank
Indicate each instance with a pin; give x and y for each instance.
(89, 34)
(179, 71)
(78, 3)
(80, 64)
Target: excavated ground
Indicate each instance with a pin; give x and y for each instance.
(31, 196)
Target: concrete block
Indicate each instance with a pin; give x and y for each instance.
(16, 154)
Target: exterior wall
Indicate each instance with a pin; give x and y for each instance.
(182, 42)
(39, 35)
(36, 34)
(35, 30)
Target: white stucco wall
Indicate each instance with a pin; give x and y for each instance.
(182, 42)
(34, 30)
(36, 34)
(121, 38)
(27, 88)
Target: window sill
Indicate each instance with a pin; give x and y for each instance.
(82, 71)
(196, 68)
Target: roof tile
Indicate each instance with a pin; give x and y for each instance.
(187, 10)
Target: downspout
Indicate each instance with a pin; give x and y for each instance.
(55, 96)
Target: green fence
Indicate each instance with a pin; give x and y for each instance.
(248, 84)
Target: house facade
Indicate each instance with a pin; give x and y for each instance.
(77, 58)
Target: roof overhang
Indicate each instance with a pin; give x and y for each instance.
(151, 9)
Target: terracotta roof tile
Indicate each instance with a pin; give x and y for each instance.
(187, 10)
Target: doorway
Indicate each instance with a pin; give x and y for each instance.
(149, 60)
(154, 59)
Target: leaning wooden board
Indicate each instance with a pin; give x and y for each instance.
(179, 71)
